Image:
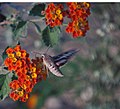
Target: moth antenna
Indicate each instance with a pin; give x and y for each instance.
(77, 50)
(48, 48)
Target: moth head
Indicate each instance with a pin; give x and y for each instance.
(43, 56)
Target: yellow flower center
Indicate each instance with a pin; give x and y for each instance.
(18, 54)
(58, 11)
(28, 77)
(14, 59)
(20, 93)
(60, 17)
(24, 86)
(11, 55)
(34, 75)
(54, 16)
(86, 4)
(26, 96)
(33, 69)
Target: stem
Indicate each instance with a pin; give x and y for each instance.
(37, 20)
(64, 24)
(5, 23)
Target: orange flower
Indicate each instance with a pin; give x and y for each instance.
(77, 28)
(11, 68)
(28, 90)
(14, 96)
(28, 73)
(24, 69)
(8, 62)
(14, 84)
(23, 53)
(54, 15)
(78, 13)
(27, 82)
(17, 48)
(21, 75)
(9, 50)
(24, 98)
(18, 63)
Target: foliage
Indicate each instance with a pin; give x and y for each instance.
(37, 10)
(50, 36)
(20, 30)
(4, 82)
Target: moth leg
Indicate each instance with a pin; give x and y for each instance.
(48, 73)
(47, 70)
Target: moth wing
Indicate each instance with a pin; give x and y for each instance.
(61, 62)
(62, 58)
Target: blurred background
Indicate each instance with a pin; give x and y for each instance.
(91, 78)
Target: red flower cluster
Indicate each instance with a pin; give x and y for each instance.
(54, 14)
(78, 13)
(28, 73)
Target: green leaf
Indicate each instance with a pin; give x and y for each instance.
(21, 29)
(4, 85)
(37, 9)
(37, 28)
(50, 36)
(4, 55)
(54, 36)
(59, 29)
(45, 36)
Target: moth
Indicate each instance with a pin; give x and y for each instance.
(53, 63)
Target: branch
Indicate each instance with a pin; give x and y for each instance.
(5, 23)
